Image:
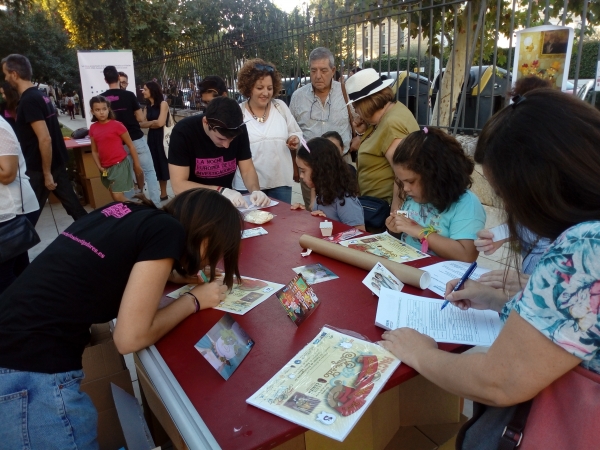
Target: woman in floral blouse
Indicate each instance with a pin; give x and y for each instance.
(542, 157)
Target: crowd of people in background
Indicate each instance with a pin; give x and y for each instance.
(409, 180)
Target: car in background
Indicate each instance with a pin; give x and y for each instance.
(586, 93)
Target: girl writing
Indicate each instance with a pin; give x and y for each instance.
(107, 136)
(321, 167)
(440, 215)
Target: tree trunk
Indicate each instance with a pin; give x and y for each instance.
(453, 79)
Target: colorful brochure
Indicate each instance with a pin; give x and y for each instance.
(380, 277)
(344, 235)
(225, 346)
(298, 299)
(329, 384)
(315, 273)
(385, 246)
(242, 298)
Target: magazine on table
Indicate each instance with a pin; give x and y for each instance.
(329, 384)
(298, 299)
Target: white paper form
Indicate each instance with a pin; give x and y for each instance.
(251, 207)
(451, 325)
(445, 271)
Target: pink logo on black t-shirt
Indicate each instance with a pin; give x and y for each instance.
(112, 98)
(214, 167)
(119, 210)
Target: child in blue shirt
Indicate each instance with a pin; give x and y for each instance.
(321, 167)
(440, 214)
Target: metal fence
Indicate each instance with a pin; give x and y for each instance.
(409, 41)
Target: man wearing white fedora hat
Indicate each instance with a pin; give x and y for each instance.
(320, 107)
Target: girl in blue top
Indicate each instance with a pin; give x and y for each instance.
(440, 214)
(321, 167)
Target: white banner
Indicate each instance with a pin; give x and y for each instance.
(91, 66)
(544, 52)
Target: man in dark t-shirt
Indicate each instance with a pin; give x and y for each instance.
(206, 149)
(128, 111)
(41, 140)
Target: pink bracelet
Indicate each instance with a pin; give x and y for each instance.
(196, 302)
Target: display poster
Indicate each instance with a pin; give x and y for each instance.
(544, 52)
(329, 384)
(91, 66)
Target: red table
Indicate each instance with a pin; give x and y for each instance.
(345, 304)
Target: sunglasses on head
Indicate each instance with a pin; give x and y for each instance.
(216, 123)
(264, 67)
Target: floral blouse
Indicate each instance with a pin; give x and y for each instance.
(562, 297)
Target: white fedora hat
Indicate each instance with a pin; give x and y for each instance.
(364, 83)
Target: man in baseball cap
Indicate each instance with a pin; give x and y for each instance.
(206, 149)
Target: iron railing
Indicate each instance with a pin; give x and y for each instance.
(409, 41)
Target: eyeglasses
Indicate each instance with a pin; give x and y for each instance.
(264, 67)
(124, 83)
(517, 99)
(316, 112)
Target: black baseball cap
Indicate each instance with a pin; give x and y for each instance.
(212, 82)
(224, 114)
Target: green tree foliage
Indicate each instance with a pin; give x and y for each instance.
(39, 36)
(589, 60)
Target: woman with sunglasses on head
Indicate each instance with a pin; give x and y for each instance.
(112, 263)
(385, 123)
(273, 131)
(206, 149)
(546, 174)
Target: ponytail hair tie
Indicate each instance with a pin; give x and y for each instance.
(425, 130)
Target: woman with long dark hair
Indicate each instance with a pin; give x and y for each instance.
(546, 173)
(112, 263)
(157, 115)
(9, 99)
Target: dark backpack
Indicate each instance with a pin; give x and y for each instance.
(80, 133)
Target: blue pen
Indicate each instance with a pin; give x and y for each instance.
(464, 278)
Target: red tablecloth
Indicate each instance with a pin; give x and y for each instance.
(345, 304)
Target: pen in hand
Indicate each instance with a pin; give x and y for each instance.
(462, 281)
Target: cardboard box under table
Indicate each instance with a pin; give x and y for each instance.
(103, 365)
(94, 191)
(209, 412)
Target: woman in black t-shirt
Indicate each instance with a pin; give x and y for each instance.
(114, 262)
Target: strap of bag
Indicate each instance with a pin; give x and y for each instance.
(513, 432)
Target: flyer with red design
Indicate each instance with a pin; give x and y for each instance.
(329, 384)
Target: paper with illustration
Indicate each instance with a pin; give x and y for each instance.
(451, 325)
(445, 271)
(380, 277)
(298, 299)
(225, 346)
(243, 297)
(315, 273)
(329, 384)
(252, 232)
(385, 246)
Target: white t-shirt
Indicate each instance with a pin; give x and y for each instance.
(270, 155)
(10, 195)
